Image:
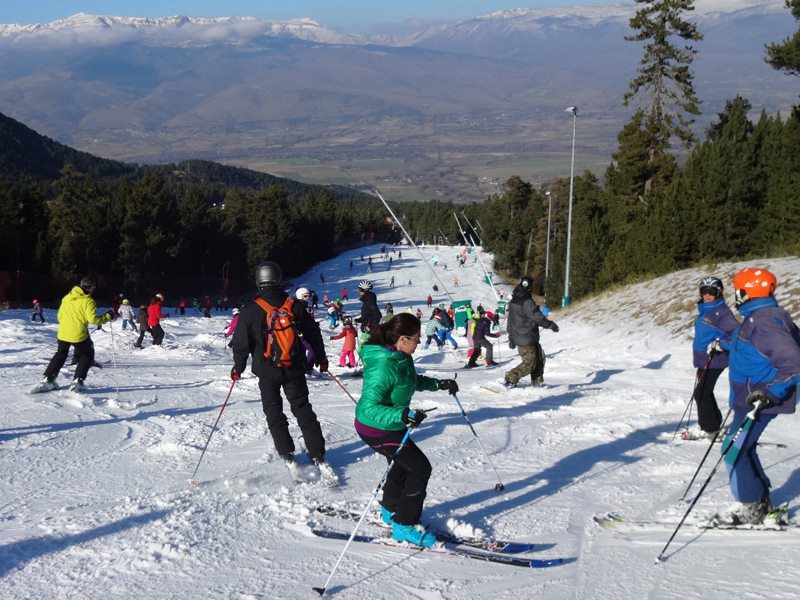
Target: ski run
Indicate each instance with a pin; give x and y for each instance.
(96, 502)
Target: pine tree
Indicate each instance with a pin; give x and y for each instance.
(664, 70)
(786, 55)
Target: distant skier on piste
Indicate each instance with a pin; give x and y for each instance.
(349, 333)
(524, 320)
(154, 316)
(714, 321)
(765, 372)
(76, 312)
(370, 313)
(273, 319)
(382, 415)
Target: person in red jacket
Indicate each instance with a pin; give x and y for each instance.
(349, 334)
(154, 316)
(344, 295)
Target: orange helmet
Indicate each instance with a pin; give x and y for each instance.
(753, 283)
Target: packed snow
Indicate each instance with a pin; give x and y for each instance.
(96, 501)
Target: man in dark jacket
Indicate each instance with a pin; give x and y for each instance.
(524, 320)
(370, 313)
(249, 338)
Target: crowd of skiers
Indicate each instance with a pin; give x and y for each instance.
(284, 340)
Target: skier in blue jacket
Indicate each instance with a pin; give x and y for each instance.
(715, 321)
(765, 369)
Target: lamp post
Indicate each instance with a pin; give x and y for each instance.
(547, 251)
(566, 299)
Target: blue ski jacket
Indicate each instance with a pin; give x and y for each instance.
(715, 320)
(764, 356)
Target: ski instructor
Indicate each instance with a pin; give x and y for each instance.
(524, 320)
(251, 337)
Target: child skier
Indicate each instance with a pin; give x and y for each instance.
(126, 312)
(349, 334)
(37, 311)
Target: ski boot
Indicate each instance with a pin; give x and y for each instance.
(413, 534)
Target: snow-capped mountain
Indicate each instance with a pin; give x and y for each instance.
(179, 29)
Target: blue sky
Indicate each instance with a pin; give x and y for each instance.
(328, 12)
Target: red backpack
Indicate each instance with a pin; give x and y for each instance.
(283, 342)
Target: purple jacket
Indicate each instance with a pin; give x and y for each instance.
(765, 356)
(483, 326)
(715, 320)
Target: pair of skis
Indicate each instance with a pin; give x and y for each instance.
(449, 544)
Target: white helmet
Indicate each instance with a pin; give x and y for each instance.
(301, 293)
(235, 311)
(365, 285)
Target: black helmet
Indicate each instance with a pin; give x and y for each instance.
(347, 321)
(526, 283)
(711, 286)
(88, 284)
(267, 274)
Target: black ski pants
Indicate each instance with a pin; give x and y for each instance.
(294, 386)
(83, 350)
(407, 483)
(158, 334)
(709, 416)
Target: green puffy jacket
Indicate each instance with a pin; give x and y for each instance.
(389, 382)
(77, 310)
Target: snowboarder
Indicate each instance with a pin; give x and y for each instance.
(765, 368)
(524, 320)
(349, 334)
(76, 312)
(714, 321)
(251, 338)
(382, 415)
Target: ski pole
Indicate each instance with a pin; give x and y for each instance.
(339, 383)
(38, 352)
(711, 445)
(213, 429)
(403, 442)
(114, 357)
(745, 426)
(499, 487)
(698, 380)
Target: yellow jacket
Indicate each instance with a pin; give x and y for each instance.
(77, 310)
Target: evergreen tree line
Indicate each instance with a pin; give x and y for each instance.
(151, 226)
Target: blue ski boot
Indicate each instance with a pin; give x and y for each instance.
(413, 534)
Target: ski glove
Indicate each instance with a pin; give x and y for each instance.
(235, 375)
(553, 327)
(511, 344)
(758, 397)
(714, 348)
(323, 366)
(448, 384)
(413, 417)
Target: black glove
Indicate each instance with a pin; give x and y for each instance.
(448, 384)
(330, 337)
(323, 366)
(413, 417)
(511, 344)
(235, 374)
(553, 327)
(758, 397)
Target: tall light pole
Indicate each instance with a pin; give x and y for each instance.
(566, 299)
(547, 251)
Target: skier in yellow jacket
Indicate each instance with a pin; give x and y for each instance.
(76, 312)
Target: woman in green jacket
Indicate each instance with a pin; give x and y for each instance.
(382, 415)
